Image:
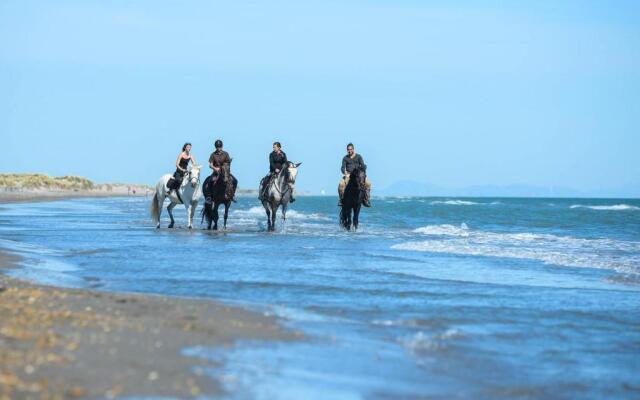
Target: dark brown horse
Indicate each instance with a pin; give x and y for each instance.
(352, 199)
(218, 190)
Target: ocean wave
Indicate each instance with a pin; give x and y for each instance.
(618, 255)
(616, 207)
(454, 202)
(421, 342)
(257, 212)
(445, 229)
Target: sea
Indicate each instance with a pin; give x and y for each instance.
(431, 298)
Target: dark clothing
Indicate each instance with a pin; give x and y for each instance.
(184, 162)
(349, 164)
(277, 161)
(176, 181)
(219, 158)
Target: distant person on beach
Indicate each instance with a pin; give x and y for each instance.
(277, 161)
(217, 160)
(350, 162)
(181, 167)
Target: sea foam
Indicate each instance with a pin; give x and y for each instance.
(616, 207)
(454, 202)
(618, 255)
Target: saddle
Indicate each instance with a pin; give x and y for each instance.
(172, 185)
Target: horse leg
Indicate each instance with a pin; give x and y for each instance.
(356, 217)
(226, 213)
(170, 211)
(194, 206)
(284, 217)
(274, 212)
(189, 208)
(215, 215)
(207, 213)
(160, 202)
(268, 212)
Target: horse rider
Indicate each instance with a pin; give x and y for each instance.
(181, 168)
(277, 161)
(350, 162)
(217, 160)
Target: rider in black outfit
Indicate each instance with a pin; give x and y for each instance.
(277, 161)
(182, 162)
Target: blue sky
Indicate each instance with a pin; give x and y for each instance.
(477, 93)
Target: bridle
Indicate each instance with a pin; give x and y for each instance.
(287, 181)
(190, 173)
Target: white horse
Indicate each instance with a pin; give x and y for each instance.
(189, 196)
(279, 194)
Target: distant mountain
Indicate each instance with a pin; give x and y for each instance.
(414, 188)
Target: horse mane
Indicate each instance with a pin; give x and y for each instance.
(358, 177)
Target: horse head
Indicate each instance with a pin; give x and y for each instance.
(292, 172)
(359, 177)
(225, 169)
(194, 175)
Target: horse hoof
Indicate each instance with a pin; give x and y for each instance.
(158, 226)
(190, 227)
(170, 226)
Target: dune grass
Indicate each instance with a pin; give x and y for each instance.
(42, 181)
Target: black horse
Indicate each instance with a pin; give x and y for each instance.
(216, 191)
(352, 199)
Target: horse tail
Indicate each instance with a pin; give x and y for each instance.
(206, 210)
(155, 212)
(202, 212)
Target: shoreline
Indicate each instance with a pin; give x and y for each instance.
(39, 195)
(78, 343)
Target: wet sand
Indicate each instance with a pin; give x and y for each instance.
(37, 195)
(67, 343)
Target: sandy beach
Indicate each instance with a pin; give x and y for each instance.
(64, 343)
(37, 195)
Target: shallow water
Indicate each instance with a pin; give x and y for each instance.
(433, 297)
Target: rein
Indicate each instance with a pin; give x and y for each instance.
(185, 182)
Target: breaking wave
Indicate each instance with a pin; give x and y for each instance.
(621, 256)
(616, 207)
(454, 202)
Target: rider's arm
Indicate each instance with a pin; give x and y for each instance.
(193, 160)
(362, 164)
(272, 163)
(344, 166)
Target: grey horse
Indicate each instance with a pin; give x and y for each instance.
(278, 193)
